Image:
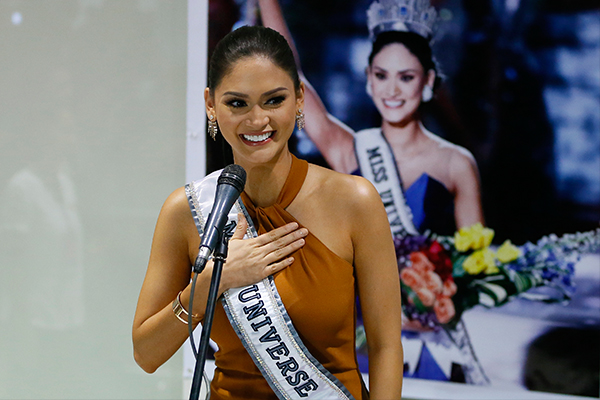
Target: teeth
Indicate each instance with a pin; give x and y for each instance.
(393, 103)
(258, 138)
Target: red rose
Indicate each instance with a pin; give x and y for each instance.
(433, 282)
(426, 296)
(444, 309)
(449, 288)
(440, 259)
(420, 262)
(412, 278)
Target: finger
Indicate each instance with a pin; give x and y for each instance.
(278, 266)
(275, 234)
(278, 254)
(240, 229)
(287, 239)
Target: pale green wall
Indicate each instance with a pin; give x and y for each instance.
(92, 140)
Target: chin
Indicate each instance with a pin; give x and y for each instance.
(262, 155)
(395, 119)
(399, 116)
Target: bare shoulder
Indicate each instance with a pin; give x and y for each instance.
(345, 190)
(175, 215)
(176, 205)
(340, 209)
(460, 160)
(175, 233)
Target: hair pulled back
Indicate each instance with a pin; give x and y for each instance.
(416, 44)
(251, 41)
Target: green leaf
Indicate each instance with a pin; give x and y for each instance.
(414, 298)
(457, 265)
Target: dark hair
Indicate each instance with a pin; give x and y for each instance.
(249, 41)
(416, 44)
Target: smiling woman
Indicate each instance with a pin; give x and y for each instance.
(308, 241)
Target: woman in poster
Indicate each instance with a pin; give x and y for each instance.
(426, 182)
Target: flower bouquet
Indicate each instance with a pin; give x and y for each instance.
(442, 277)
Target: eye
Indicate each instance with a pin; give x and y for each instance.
(407, 78)
(275, 101)
(380, 76)
(236, 103)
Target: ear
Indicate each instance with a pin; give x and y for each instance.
(300, 97)
(209, 103)
(430, 78)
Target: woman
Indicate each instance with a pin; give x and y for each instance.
(311, 243)
(426, 182)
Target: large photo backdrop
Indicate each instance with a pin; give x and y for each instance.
(520, 92)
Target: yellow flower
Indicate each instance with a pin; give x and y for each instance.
(474, 237)
(487, 235)
(462, 239)
(481, 261)
(508, 252)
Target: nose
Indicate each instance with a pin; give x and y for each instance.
(257, 118)
(394, 88)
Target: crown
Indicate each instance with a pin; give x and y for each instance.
(415, 16)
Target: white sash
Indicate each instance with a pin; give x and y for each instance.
(260, 320)
(377, 164)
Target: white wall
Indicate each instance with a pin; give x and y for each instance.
(92, 140)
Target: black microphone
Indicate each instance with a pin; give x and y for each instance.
(230, 184)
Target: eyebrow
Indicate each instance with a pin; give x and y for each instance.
(401, 72)
(243, 95)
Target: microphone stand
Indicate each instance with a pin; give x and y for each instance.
(220, 255)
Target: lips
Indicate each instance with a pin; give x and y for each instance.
(393, 103)
(257, 139)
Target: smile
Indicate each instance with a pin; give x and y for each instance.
(257, 138)
(393, 103)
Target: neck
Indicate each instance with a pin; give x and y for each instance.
(402, 135)
(264, 181)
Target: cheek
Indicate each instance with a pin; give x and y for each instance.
(228, 123)
(286, 115)
(412, 88)
(379, 87)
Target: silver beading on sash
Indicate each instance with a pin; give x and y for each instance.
(377, 164)
(260, 320)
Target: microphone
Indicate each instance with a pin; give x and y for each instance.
(230, 184)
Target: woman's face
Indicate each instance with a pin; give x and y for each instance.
(255, 106)
(397, 78)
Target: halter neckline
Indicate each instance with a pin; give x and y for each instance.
(289, 191)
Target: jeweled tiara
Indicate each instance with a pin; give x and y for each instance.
(416, 16)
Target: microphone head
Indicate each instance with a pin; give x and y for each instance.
(233, 175)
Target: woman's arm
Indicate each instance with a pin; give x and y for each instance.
(157, 333)
(379, 291)
(332, 137)
(467, 189)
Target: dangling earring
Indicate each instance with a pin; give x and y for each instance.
(369, 89)
(212, 127)
(300, 119)
(427, 94)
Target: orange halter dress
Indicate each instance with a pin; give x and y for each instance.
(318, 291)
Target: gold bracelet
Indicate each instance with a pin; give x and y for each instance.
(181, 312)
